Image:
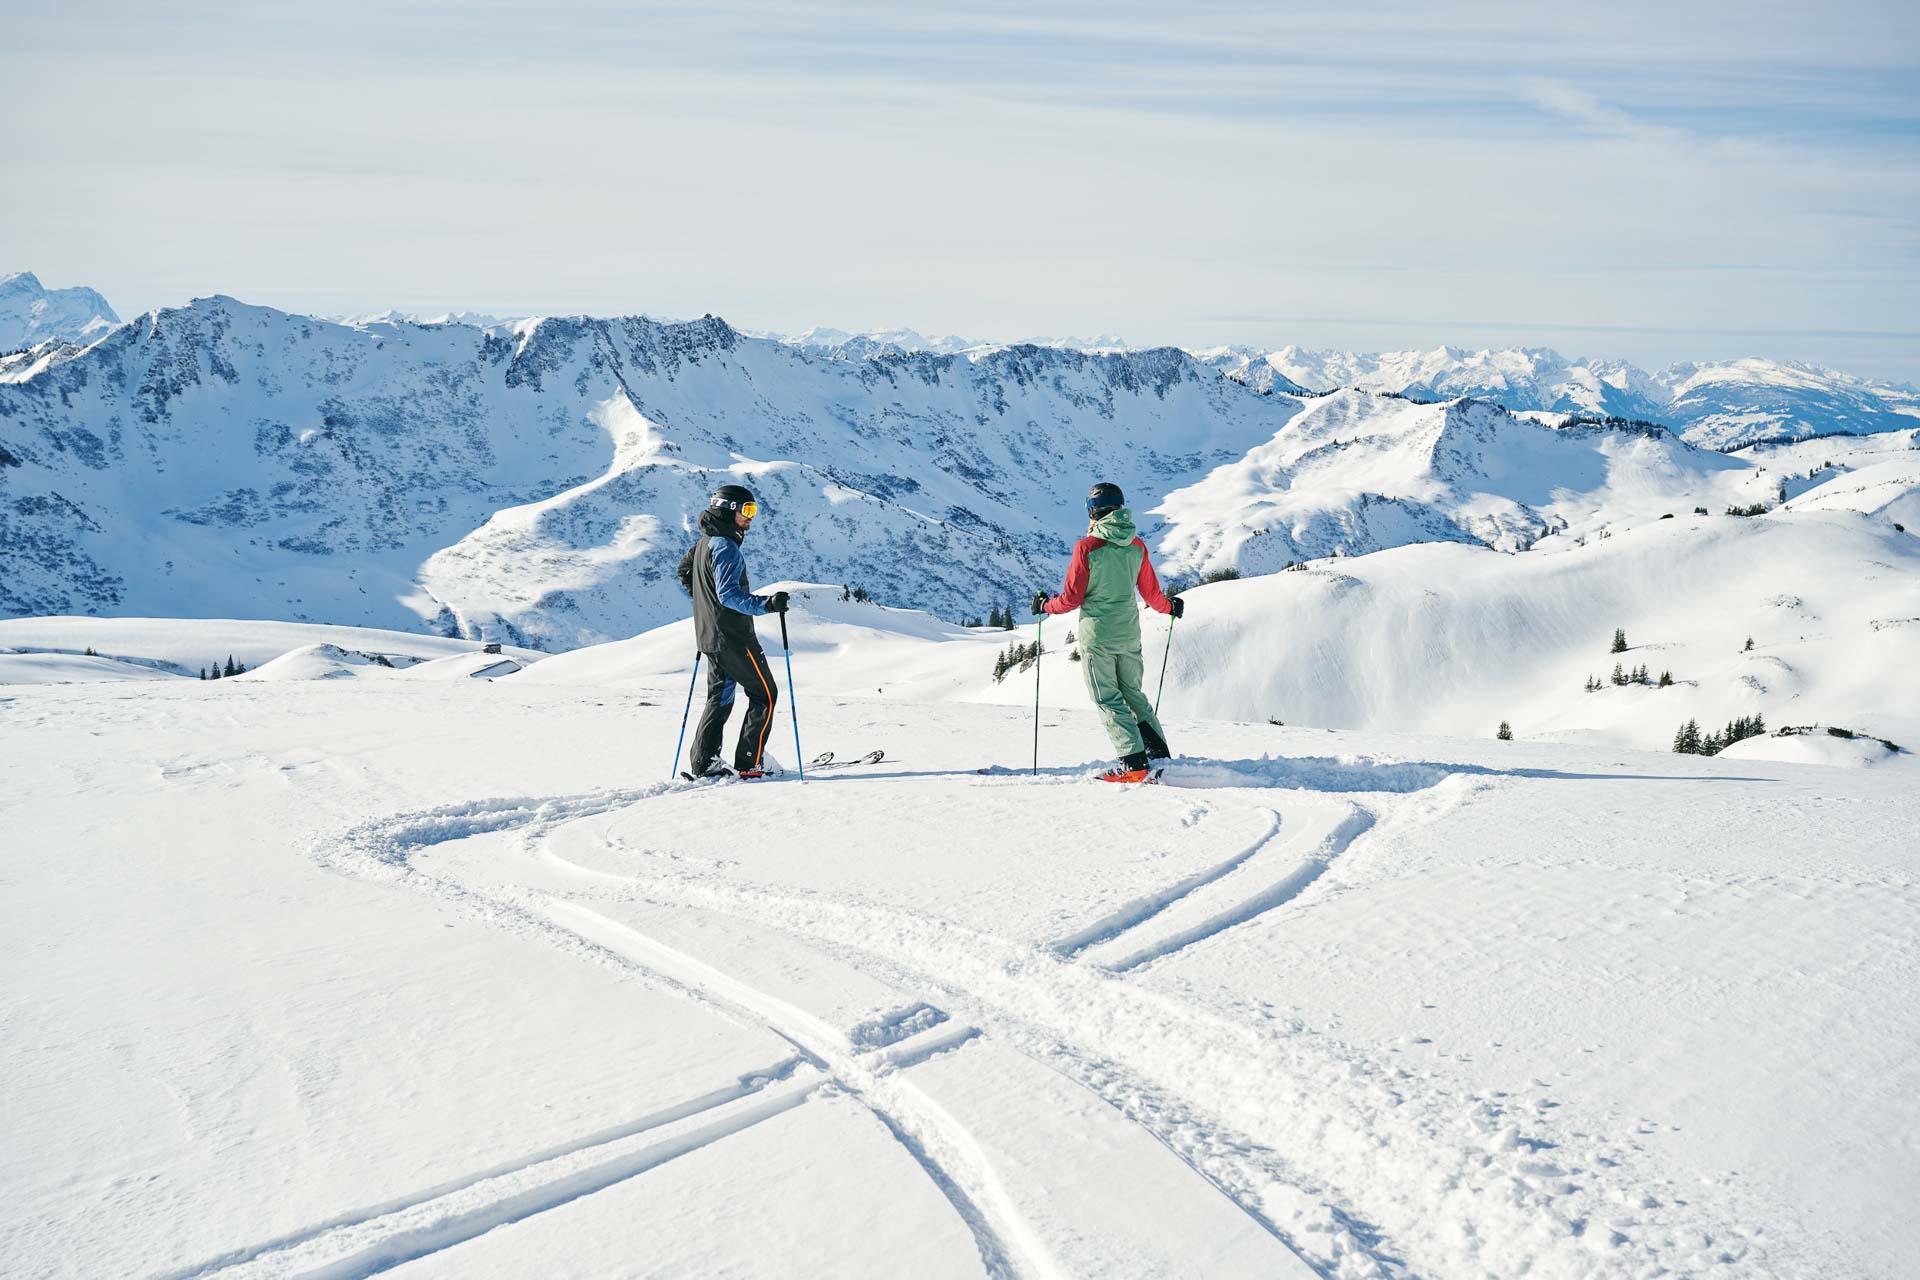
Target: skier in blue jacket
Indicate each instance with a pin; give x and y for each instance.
(714, 572)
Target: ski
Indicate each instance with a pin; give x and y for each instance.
(825, 760)
(1004, 771)
(729, 775)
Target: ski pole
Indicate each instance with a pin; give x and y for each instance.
(1165, 654)
(681, 741)
(799, 761)
(1036, 693)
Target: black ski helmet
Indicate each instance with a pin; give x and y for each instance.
(730, 497)
(1104, 497)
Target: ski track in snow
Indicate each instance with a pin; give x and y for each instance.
(1285, 1124)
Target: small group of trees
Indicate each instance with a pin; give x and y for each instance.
(1174, 586)
(1752, 509)
(1505, 732)
(1000, 615)
(1622, 676)
(219, 672)
(850, 592)
(1640, 425)
(1015, 657)
(1688, 740)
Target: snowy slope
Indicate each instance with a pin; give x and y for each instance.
(31, 314)
(182, 646)
(1456, 639)
(1445, 638)
(1355, 473)
(330, 977)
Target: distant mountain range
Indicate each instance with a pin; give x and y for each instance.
(31, 313)
(535, 482)
(1723, 405)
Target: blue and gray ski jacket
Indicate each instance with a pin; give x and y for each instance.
(714, 572)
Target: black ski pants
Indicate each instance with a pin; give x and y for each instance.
(736, 668)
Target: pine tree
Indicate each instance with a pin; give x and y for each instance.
(1505, 733)
(1006, 618)
(1666, 679)
(1593, 684)
(214, 672)
(1619, 674)
(1640, 674)
(1619, 640)
(229, 670)
(1687, 740)
(203, 673)
(1749, 648)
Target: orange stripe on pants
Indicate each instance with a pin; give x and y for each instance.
(762, 744)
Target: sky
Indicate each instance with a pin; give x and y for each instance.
(1649, 181)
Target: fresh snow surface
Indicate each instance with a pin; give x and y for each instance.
(184, 645)
(70, 668)
(1815, 746)
(327, 977)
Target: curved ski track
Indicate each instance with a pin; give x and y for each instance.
(1067, 1012)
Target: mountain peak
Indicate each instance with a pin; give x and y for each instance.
(30, 313)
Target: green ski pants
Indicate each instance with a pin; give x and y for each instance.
(1113, 681)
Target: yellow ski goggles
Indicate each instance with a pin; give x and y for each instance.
(749, 509)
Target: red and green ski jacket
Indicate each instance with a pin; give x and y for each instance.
(1109, 565)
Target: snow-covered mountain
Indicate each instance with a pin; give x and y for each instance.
(1722, 405)
(1355, 472)
(1719, 405)
(871, 343)
(392, 316)
(538, 482)
(31, 314)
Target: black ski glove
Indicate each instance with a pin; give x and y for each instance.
(1179, 607)
(1039, 603)
(776, 603)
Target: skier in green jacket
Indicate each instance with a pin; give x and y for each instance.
(1109, 565)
